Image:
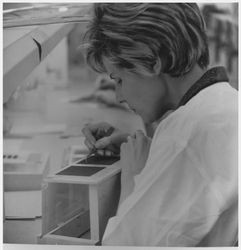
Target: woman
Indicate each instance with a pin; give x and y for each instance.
(179, 188)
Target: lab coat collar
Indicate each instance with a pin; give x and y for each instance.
(210, 77)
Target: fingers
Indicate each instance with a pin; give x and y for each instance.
(103, 136)
(137, 136)
(134, 141)
(94, 132)
(123, 149)
(89, 145)
(140, 137)
(104, 152)
(103, 142)
(127, 144)
(97, 140)
(88, 132)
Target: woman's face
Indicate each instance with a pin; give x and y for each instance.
(145, 95)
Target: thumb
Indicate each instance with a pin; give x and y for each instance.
(103, 142)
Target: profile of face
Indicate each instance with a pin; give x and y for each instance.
(145, 95)
(127, 40)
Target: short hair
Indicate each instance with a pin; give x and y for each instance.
(134, 35)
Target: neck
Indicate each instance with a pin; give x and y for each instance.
(178, 86)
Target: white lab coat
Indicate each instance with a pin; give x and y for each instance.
(187, 193)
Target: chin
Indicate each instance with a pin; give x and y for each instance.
(150, 119)
(146, 120)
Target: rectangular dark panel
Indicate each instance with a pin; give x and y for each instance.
(99, 160)
(80, 171)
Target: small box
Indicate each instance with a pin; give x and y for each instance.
(24, 170)
(78, 201)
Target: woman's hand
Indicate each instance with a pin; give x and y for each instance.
(103, 136)
(134, 154)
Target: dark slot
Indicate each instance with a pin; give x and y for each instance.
(99, 160)
(80, 171)
(85, 235)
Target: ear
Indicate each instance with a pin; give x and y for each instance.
(157, 66)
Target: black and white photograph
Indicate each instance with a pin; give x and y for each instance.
(120, 125)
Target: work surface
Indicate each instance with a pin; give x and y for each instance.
(68, 119)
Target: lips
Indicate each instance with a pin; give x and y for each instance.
(132, 110)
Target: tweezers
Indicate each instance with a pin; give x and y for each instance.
(92, 152)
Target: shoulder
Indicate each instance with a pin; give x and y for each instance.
(213, 108)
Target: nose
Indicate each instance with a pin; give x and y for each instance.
(118, 93)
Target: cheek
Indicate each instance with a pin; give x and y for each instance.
(127, 90)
